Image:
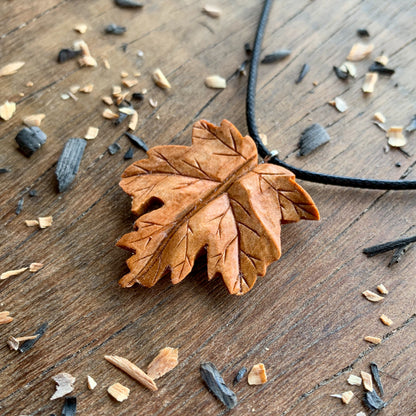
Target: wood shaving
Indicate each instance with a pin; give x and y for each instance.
(35, 267)
(124, 74)
(74, 97)
(87, 61)
(133, 121)
(106, 63)
(121, 97)
(354, 380)
(386, 320)
(91, 133)
(137, 74)
(119, 392)
(91, 383)
(107, 100)
(11, 273)
(32, 223)
(350, 68)
(34, 120)
(74, 88)
(372, 340)
(81, 28)
(65, 96)
(14, 343)
(371, 296)
(382, 60)
(132, 370)
(339, 104)
(29, 84)
(107, 113)
(215, 81)
(367, 381)
(11, 69)
(45, 222)
(165, 361)
(87, 88)
(379, 117)
(127, 110)
(7, 110)
(257, 375)
(128, 83)
(382, 289)
(359, 51)
(5, 318)
(395, 136)
(153, 102)
(347, 396)
(116, 90)
(160, 80)
(369, 82)
(211, 11)
(64, 385)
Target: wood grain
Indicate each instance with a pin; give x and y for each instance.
(306, 319)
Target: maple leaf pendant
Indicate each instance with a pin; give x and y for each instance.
(212, 195)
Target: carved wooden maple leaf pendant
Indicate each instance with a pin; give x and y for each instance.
(214, 196)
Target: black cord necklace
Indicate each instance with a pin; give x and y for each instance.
(272, 158)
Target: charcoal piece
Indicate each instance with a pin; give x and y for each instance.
(4, 170)
(30, 139)
(247, 49)
(239, 376)
(398, 253)
(276, 56)
(70, 406)
(114, 29)
(129, 154)
(137, 141)
(124, 47)
(412, 126)
(381, 69)
(305, 69)
(398, 165)
(242, 68)
(69, 161)
(120, 119)
(340, 73)
(311, 138)
(33, 192)
(19, 206)
(376, 376)
(67, 54)
(372, 401)
(216, 385)
(27, 345)
(138, 96)
(114, 148)
(363, 33)
(128, 3)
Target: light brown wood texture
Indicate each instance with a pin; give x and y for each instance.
(306, 319)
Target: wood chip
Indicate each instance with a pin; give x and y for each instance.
(106, 63)
(11, 273)
(386, 320)
(65, 96)
(91, 383)
(215, 81)
(45, 222)
(382, 60)
(64, 385)
(339, 104)
(354, 380)
(116, 90)
(5, 318)
(369, 82)
(132, 370)
(91, 133)
(14, 343)
(127, 110)
(124, 74)
(347, 396)
(379, 117)
(349, 68)
(382, 289)
(257, 375)
(7, 110)
(165, 361)
(35, 267)
(133, 121)
(111, 115)
(160, 80)
(359, 51)
(29, 84)
(107, 100)
(367, 381)
(128, 83)
(74, 88)
(81, 28)
(87, 88)
(32, 223)
(11, 69)
(34, 120)
(153, 102)
(87, 61)
(373, 340)
(119, 392)
(211, 11)
(371, 296)
(395, 136)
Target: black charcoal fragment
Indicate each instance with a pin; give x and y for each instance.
(239, 376)
(67, 54)
(114, 148)
(372, 401)
(276, 56)
(19, 206)
(114, 29)
(129, 154)
(242, 68)
(137, 141)
(70, 406)
(305, 69)
(33, 192)
(138, 96)
(4, 170)
(217, 386)
(311, 138)
(376, 376)
(412, 126)
(398, 254)
(398, 165)
(27, 345)
(124, 47)
(363, 33)
(69, 161)
(128, 3)
(381, 69)
(340, 73)
(30, 139)
(247, 49)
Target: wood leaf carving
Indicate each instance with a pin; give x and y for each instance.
(210, 196)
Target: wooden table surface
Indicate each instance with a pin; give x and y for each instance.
(306, 319)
